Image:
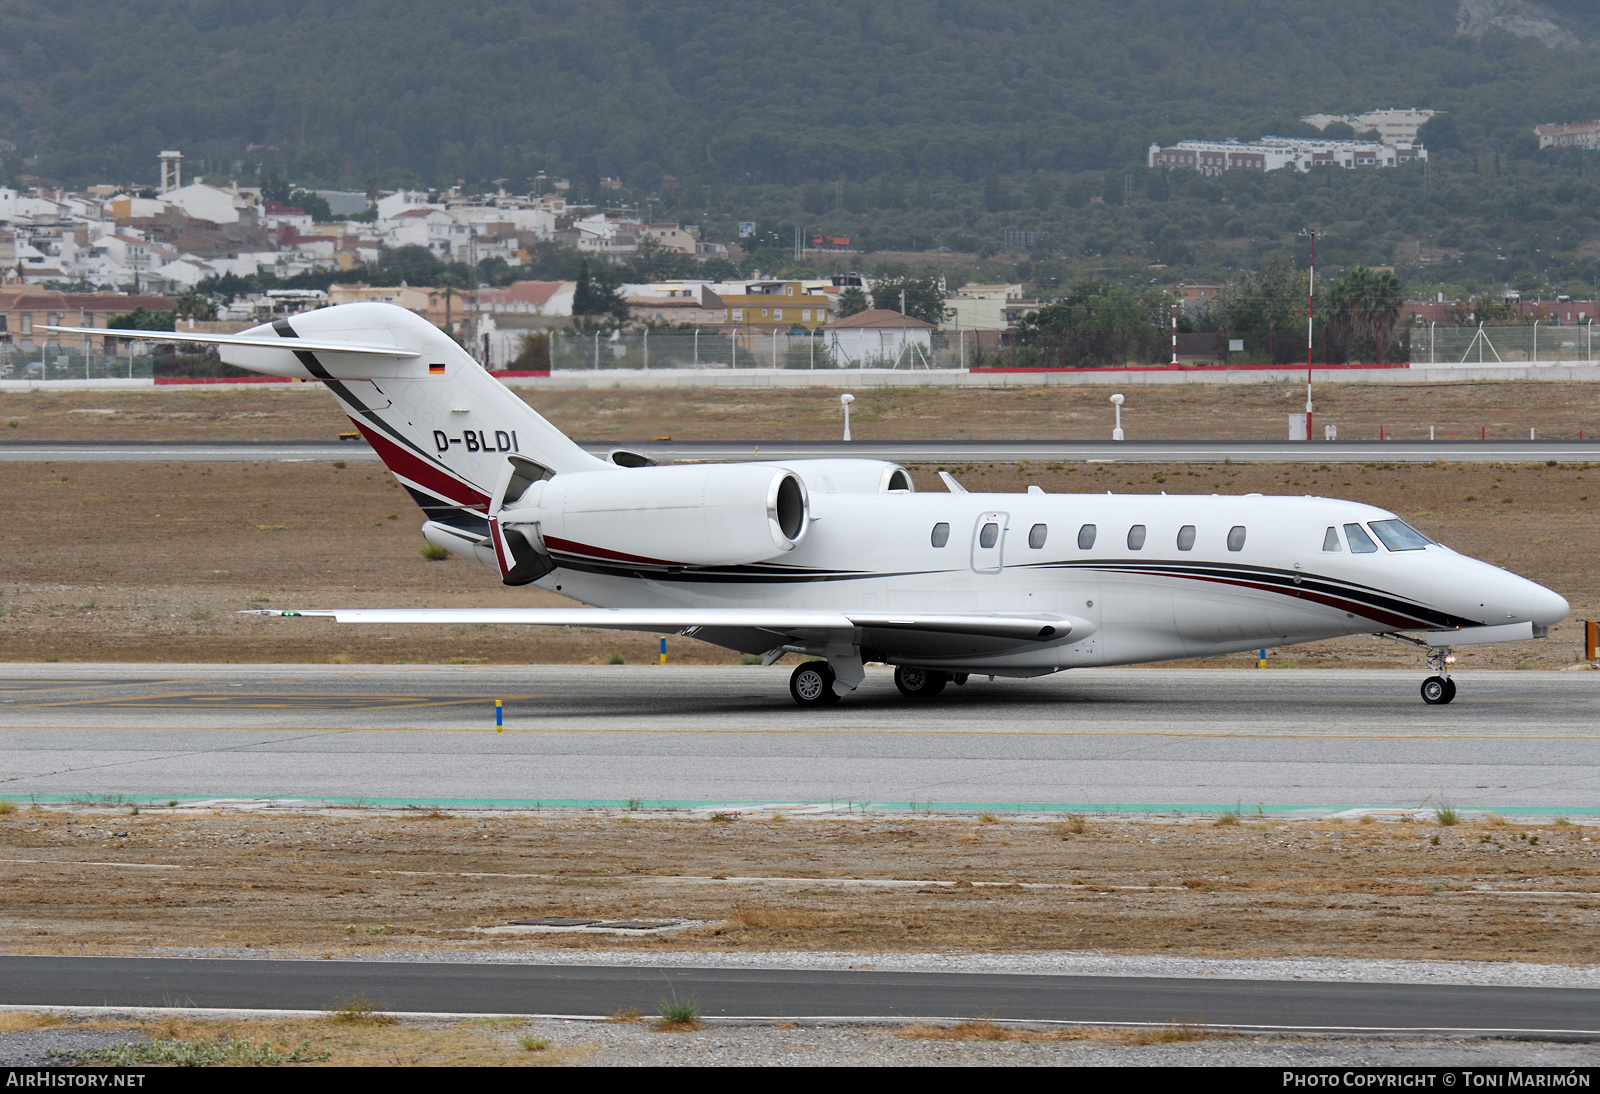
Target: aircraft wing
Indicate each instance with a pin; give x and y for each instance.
(234, 340)
(796, 624)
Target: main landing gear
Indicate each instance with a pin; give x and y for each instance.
(811, 684)
(915, 683)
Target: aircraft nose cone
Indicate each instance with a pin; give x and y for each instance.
(1547, 608)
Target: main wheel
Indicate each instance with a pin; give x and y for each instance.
(1436, 691)
(811, 684)
(1450, 689)
(919, 683)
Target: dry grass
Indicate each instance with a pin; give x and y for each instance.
(780, 919)
(983, 1029)
(291, 884)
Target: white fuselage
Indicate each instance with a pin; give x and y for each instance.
(875, 552)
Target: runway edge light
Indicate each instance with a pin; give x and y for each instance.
(499, 717)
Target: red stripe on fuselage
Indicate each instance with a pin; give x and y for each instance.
(420, 471)
(575, 548)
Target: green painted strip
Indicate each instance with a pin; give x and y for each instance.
(904, 806)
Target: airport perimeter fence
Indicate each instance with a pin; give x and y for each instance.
(1520, 343)
(64, 363)
(713, 349)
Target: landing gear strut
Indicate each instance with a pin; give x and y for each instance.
(1439, 690)
(915, 683)
(811, 684)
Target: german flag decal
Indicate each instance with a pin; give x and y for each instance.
(435, 370)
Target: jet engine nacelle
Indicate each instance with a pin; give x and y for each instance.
(713, 515)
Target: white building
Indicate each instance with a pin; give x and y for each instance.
(1392, 125)
(878, 339)
(1574, 135)
(1274, 153)
(987, 307)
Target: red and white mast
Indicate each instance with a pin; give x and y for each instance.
(1311, 314)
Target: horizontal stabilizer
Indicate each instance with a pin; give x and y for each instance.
(304, 344)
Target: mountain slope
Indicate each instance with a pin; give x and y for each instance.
(748, 91)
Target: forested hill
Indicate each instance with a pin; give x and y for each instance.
(750, 90)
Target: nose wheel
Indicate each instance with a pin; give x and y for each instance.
(1438, 690)
(811, 684)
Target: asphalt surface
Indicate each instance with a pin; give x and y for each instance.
(691, 735)
(922, 452)
(595, 991)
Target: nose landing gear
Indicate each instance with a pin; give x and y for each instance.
(1439, 690)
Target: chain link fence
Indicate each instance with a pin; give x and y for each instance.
(712, 349)
(1521, 343)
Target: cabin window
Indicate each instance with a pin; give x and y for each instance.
(941, 534)
(1360, 542)
(1236, 538)
(989, 536)
(1037, 534)
(1330, 540)
(1397, 535)
(1136, 537)
(1186, 538)
(1086, 537)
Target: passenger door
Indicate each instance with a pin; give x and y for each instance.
(988, 542)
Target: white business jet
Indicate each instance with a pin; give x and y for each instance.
(842, 559)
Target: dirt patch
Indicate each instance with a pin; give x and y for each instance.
(151, 561)
(303, 412)
(354, 882)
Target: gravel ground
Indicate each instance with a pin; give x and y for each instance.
(637, 1045)
(33, 1049)
(1324, 969)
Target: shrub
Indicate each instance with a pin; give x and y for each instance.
(433, 552)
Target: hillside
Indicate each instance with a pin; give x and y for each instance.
(727, 93)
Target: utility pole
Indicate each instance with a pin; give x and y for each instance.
(1174, 362)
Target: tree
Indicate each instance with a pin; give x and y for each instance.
(535, 353)
(313, 203)
(923, 298)
(852, 301)
(1363, 308)
(142, 319)
(597, 296)
(275, 188)
(192, 304)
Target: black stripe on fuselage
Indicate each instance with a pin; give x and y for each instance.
(1291, 583)
(1353, 597)
(347, 397)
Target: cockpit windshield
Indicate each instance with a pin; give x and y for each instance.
(1397, 535)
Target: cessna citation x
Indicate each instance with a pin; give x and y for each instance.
(843, 560)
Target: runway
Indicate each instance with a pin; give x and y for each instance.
(594, 991)
(1131, 739)
(911, 452)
